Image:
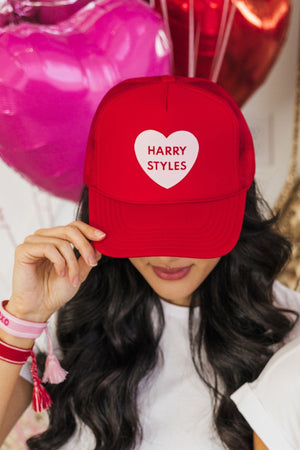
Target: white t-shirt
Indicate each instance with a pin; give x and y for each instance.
(271, 403)
(174, 404)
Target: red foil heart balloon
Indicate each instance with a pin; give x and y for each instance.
(52, 78)
(233, 42)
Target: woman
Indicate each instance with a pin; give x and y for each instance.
(155, 345)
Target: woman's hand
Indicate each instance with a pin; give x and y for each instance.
(46, 272)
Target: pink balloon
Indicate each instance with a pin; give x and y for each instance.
(52, 79)
(6, 12)
(48, 12)
(38, 11)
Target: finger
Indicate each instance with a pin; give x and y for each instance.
(84, 268)
(64, 247)
(30, 253)
(65, 231)
(73, 235)
(77, 269)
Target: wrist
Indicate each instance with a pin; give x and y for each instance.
(18, 310)
(15, 327)
(16, 341)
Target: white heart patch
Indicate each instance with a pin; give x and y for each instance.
(166, 160)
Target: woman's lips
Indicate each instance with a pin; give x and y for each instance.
(171, 274)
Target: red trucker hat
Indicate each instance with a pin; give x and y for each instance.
(168, 164)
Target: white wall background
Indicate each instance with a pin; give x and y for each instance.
(25, 208)
(270, 115)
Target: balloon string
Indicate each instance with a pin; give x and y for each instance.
(220, 35)
(191, 53)
(225, 40)
(197, 42)
(164, 9)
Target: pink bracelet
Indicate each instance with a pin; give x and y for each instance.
(18, 327)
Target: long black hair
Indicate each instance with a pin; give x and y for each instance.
(109, 343)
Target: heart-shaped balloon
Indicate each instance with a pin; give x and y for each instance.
(53, 12)
(233, 42)
(52, 79)
(38, 11)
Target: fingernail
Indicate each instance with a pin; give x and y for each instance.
(92, 261)
(99, 234)
(62, 273)
(76, 282)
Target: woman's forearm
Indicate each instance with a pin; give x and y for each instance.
(9, 376)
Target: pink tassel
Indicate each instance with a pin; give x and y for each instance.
(54, 373)
(40, 397)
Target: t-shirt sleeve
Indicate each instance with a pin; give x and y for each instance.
(271, 404)
(41, 345)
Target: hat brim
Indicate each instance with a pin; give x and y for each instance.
(190, 230)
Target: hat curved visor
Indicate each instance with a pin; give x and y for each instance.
(191, 230)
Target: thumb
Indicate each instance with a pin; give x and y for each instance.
(86, 268)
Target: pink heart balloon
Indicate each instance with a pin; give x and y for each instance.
(38, 11)
(49, 12)
(52, 79)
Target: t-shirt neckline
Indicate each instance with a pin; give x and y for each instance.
(176, 310)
